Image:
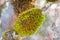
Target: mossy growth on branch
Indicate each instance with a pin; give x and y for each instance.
(22, 5)
(28, 22)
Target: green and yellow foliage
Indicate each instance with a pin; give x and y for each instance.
(29, 22)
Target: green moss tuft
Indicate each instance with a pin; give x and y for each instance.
(29, 21)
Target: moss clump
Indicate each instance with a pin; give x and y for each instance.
(51, 0)
(7, 35)
(22, 5)
(28, 22)
(22, 1)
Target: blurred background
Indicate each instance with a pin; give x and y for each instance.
(48, 31)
